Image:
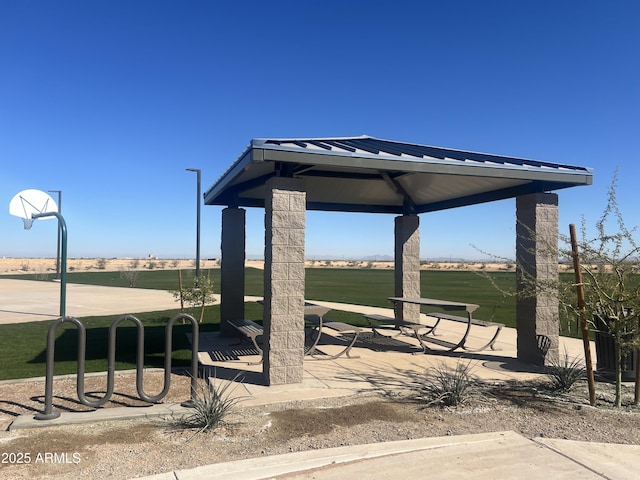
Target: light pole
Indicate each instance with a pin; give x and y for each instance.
(197, 170)
(59, 192)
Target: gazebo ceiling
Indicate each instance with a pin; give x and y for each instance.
(365, 174)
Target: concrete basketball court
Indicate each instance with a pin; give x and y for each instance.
(28, 300)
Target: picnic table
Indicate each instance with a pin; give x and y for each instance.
(314, 317)
(424, 332)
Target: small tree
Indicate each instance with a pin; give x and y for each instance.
(611, 268)
(131, 276)
(611, 279)
(199, 294)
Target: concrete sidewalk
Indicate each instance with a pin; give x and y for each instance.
(487, 456)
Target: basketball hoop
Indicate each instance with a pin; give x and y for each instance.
(29, 203)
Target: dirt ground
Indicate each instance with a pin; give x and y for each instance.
(127, 449)
(47, 266)
(41, 266)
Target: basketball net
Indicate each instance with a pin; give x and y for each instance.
(28, 223)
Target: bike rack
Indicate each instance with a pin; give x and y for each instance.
(49, 414)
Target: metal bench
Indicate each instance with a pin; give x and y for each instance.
(250, 330)
(422, 331)
(474, 321)
(390, 323)
(340, 327)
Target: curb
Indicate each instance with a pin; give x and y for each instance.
(300, 462)
(102, 415)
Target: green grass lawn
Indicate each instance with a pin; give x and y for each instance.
(373, 287)
(23, 346)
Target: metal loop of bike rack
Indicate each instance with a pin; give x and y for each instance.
(49, 414)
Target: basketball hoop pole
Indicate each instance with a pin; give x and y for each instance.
(62, 229)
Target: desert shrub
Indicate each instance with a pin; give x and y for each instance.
(565, 372)
(101, 263)
(447, 386)
(211, 404)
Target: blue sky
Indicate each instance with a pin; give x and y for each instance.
(110, 101)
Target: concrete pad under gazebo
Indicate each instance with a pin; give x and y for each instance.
(287, 177)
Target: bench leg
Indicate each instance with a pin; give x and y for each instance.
(432, 330)
(378, 334)
(490, 344)
(318, 333)
(453, 346)
(423, 344)
(346, 351)
(255, 344)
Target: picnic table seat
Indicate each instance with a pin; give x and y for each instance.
(249, 330)
(418, 330)
(252, 330)
(474, 321)
(385, 322)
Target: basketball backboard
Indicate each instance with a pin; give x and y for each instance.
(30, 202)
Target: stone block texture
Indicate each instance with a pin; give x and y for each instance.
(284, 276)
(407, 265)
(537, 317)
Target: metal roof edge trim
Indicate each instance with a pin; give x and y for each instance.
(259, 142)
(413, 166)
(568, 169)
(234, 170)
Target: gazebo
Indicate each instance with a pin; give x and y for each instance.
(287, 177)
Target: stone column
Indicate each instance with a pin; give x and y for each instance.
(537, 316)
(407, 266)
(232, 269)
(285, 210)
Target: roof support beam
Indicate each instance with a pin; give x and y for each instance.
(232, 194)
(409, 204)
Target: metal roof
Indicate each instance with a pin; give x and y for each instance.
(366, 174)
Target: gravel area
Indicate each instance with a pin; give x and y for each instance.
(128, 449)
